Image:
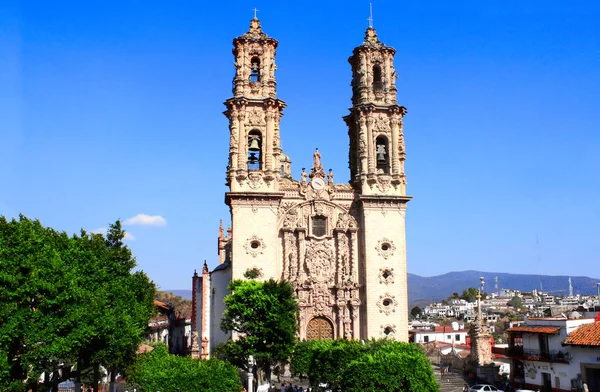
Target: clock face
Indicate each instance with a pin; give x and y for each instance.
(317, 183)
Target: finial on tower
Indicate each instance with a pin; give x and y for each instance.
(255, 11)
(370, 18)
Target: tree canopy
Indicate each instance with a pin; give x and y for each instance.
(263, 316)
(67, 300)
(160, 371)
(375, 365)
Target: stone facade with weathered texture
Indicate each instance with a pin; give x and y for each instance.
(342, 246)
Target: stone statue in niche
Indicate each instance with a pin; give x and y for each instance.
(345, 221)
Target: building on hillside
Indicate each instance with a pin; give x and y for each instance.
(341, 246)
(555, 353)
(444, 334)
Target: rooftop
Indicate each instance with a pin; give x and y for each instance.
(586, 335)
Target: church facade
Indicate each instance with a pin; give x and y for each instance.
(341, 246)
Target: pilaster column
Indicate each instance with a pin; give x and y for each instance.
(355, 322)
(268, 145)
(233, 140)
(243, 141)
(362, 144)
(394, 147)
(371, 148)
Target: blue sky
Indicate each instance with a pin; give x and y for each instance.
(112, 109)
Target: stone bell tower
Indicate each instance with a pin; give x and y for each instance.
(376, 160)
(254, 166)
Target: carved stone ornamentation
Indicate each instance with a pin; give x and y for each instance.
(318, 260)
(386, 275)
(345, 221)
(382, 125)
(256, 117)
(385, 248)
(291, 258)
(254, 246)
(388, 331)
(254, 180)
(387, 303)
(384, 183)
(291, 219)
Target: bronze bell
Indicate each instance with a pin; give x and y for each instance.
(253, 145)
(380, 153)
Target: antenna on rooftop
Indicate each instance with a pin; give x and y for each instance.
(539, 259)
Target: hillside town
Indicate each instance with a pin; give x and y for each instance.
(535, 340)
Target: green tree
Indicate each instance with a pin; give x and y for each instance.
(416, 312)
(160, 371)
(263, 314)
(394, 366)
(470, 294)
(66, 300)
(516, 302)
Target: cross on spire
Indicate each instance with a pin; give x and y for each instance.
(370, 18)
(255, 11)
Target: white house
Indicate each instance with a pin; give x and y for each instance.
(548, 355)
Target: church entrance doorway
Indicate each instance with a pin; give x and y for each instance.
(319, 328)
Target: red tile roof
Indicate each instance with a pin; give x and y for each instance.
(534, 329)
(586, 335)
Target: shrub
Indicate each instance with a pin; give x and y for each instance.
(160, 371)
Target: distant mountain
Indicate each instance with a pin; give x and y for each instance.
(434, 288)
(424, 290)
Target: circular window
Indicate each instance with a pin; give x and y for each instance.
(254, 244)
(387, 302)
(385, 247)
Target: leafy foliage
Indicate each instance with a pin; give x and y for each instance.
(65, 300)
(263, 314)
(350, 365)
(393, 367)
(160, 371)
(516, 302)
(416, 312)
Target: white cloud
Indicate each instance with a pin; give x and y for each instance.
(103, 230)
(146, 220)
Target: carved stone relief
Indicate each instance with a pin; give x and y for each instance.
(345, 221)
(385, 248)
(388, 331)
(254, 246)
(387, 303)
(386, 275)
(256, 117)
(318, 260)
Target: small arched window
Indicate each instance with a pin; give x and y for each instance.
(254, 150)
(382, 152)
(255, 70)
(377, 82)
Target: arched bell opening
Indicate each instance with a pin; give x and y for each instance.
(254, 150)
(377, 81)
(382, 152)
(254, 70)
(319, 328)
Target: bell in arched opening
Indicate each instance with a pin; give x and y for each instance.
(254, 151)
